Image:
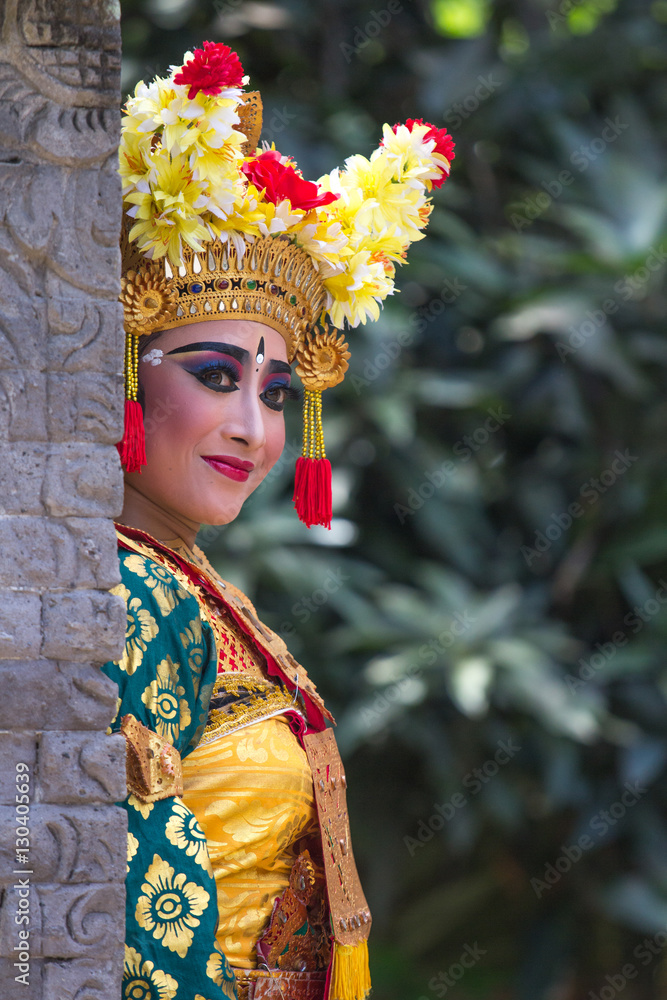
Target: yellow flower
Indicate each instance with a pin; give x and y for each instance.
(132, 847)
(166, 590)
(167, 208)
(142, 981)
(357, 291)
(166, 698)
(141, 628)
(184, 831)
(411, 155)
(391, 202)
(170, 906)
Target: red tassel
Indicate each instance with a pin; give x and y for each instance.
(312, 491)
(132, 447)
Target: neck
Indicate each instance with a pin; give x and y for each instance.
(141, 512)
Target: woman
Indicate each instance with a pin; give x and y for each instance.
(241, 880)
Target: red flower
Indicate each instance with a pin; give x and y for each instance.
(210, 70)
(279, 180)
(444, 144)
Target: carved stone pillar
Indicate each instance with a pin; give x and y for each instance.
(62, 841)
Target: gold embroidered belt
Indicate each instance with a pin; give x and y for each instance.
(257, 984)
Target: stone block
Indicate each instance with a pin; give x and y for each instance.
(83, 625)
(85, 406)
(83, 480)
(22, 396)
(22, 471)
(17, 748)
(20, 624)
(67, 844)
(86, 333)
(22, 302)
(29, 989)
(38, 553)
(85, 979)
(81, 767)
(81, 921)
(20, 899)
(61, 696)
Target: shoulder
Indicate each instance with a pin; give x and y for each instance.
(146, 581)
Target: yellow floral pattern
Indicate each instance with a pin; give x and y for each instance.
(191, 640)
(141, 628)
(215, 970)
(252, 792)
(184, 831)
(132, 847)
(166, 698)
(166, 591)
(145, 808)
(170, 906)
(142, 981)
(164, 680)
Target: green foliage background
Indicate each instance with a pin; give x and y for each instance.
(538, 297)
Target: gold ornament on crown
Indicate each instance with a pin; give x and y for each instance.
(322, 359)
(273, 282)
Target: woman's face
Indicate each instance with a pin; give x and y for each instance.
(213, 417)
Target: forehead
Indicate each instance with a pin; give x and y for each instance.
(243, 333)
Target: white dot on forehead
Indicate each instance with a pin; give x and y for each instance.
(260, 352)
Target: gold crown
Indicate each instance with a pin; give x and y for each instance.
(274, 282)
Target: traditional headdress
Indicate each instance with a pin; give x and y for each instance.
(219, 229)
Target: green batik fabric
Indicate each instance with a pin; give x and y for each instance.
(165, 679)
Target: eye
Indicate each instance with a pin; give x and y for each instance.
(220, 376)
(276, 393)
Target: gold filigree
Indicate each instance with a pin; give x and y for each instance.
(322, 359)
(148, 301)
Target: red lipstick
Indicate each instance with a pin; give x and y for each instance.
(233, 468)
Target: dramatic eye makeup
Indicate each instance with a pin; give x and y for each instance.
(276, 388)
(217, 366)
(220, 367)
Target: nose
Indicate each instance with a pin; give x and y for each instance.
(245, 424)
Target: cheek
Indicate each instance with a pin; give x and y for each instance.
(274, 429)
(166, 401)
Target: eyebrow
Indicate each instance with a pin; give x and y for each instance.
(231, 349)
(279, 366)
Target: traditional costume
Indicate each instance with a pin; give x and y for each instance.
(241, 880)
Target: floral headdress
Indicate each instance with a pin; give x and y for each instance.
(218, 228)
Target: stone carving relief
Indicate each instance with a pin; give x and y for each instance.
(60, 483)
